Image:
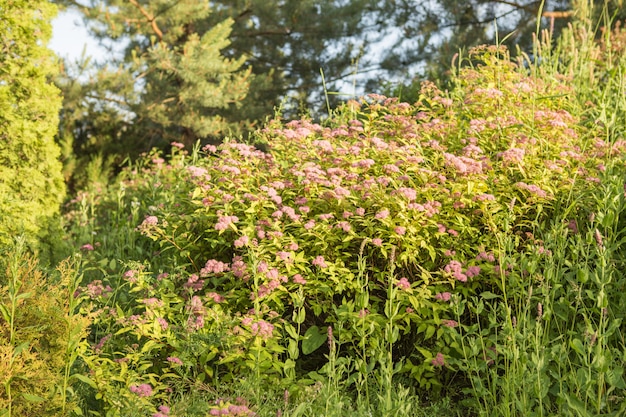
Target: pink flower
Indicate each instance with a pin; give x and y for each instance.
(87, 247)
(262, 329)
(449, 323)
(242, 241)
(487, 256)
(443, 296)
(403, 284)
(298, 279)
(438, 360)
(472, 271)
(143, 390)
(174, 360)
(360, 211)
(377, 242)
(213, 266)
(320, 262)
(383, 214)
(224, 222)
(150, 221)
(401, 230)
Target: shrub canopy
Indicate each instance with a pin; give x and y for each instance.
(31, 184)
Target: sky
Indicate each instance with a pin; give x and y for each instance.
(69, 38)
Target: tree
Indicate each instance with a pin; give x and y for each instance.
(31, 184)
(193, 71)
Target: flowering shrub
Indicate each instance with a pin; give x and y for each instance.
(390, 214)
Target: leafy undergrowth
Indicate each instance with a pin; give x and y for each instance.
(466, 246)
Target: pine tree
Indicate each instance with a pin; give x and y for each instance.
(31, 184)
(173, 82)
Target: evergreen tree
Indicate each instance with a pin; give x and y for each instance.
(31, 184)
(172, 82)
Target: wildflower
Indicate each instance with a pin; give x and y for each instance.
(195, 323)
(130, 275)
(377, 242)
(403, 284)
(572, 226)
(438, 360)
(486, 256)
(598, 238)
(360, 211)
(174, 360)
(454, 268)
(164, 411)
(449, 323)
(443, 296)
(239, 268)
(401, 230)
(224, 222)
(298, 279)
(472, 271)
(194, 283)
(320, 262)
(262, 329)
(87, 247)
(383, 214)
(163, 323)
(150, 221)
(513, 156)
(217, 298)
(242, 241)
(213, 266)
(143, 390)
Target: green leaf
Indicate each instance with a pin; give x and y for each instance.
(5, 313)
(33, 398)
(313, 339)
(488, 295)
(577, 345)
(85, 379)
(20, 348)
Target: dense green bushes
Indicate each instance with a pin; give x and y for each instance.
(396, 242)
(31, 184)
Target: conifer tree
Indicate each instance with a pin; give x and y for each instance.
(172, 82)
(31, 184)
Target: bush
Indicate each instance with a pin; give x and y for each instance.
(31, 184)
(369, 245)
(41, 336)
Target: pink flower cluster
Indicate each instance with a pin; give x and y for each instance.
(224, 222)
(443, 296)
(213, 266)
(143, 390)
(403, 284)
(455, 268)
(194, 283)
(534, 189)
(232, 410)
(462, 164)
(164, 411)
(319, 261)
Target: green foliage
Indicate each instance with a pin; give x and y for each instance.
(41, 336)
(31, 184)
(175, 81)
(387, 245)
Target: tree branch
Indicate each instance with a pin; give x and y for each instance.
(151, 19)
